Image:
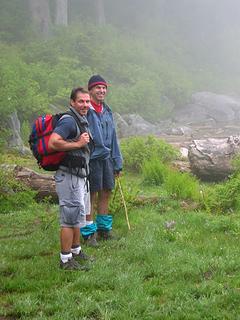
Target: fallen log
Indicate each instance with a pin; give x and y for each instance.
(211, 159)
(44, 184)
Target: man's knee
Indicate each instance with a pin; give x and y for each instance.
(72, 216)
(105, 194)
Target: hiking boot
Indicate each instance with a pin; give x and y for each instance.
(106, 235)
(73, 265)
(82, 257)
(91, 241)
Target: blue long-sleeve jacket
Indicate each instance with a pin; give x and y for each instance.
(104, 136)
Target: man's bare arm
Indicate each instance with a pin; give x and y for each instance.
(57, 143)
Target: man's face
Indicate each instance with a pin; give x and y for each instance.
(81, 103)
(98, 93)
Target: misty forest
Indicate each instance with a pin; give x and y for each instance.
(173, 74)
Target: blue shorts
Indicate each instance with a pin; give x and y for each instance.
(101, 175)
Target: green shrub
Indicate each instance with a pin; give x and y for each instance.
(14, 195)
(236, 163)
(182, 186)
(154, 172)
(25, 131)
(138, 149)
(178, 185)
(129, 193)
(3, 141)
(223, 197)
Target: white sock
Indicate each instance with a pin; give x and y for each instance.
(65, 257)
(76, 250)
(88, 223)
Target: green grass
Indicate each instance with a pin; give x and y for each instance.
(189, 272)
(12, 158)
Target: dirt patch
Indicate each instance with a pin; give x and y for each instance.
(208, 275)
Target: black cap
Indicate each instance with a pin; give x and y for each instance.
(95, 80)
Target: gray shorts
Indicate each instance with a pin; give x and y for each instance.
(74, 199)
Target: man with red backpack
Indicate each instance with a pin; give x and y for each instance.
(71, 178)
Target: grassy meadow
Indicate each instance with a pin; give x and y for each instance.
(178, 261)
(190, 271)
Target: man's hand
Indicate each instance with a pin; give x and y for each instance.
(117, 173)
(83, 140)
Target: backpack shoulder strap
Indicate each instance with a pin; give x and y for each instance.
(82, 123)
(75, 116)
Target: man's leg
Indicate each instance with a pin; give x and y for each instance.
(70, 248)
(69, 192)
(89, 231)
(76, 237)
(104, 218)
(66, 231)
(76, 248)
(66, 239)
(94, 203)
(103, 201)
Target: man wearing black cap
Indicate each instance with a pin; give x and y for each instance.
(105, 162)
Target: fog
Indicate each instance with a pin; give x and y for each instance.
(158, 51)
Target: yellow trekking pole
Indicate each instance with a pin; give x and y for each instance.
(124, 203)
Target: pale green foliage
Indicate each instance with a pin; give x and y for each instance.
(177, 185)
(138, 149)
(182, 186)
(19, 91)
(236, 163)
(14, 195)
(44, 72)
(150, 68)
(3, 140)
(128, 195)
(154, 171)
(14, 21)
(223, 197)
(25, 131)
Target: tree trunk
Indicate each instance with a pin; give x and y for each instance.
(15, 141)
(40, 15)
(210, 159)
(101, 20)
(61, 17)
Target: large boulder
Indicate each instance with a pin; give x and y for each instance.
(121, 125)
(210, 159)
(208, 107)
(134, 125)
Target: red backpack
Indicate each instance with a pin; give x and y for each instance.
(42, 129)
